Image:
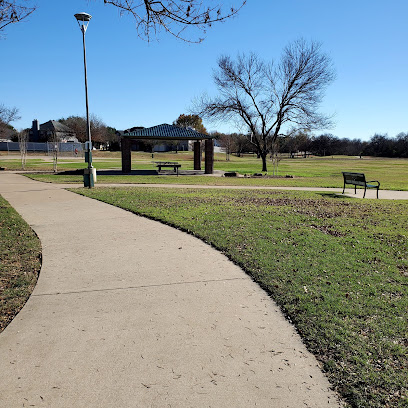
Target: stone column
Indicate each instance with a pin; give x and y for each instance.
(126, 144)
(197, 155)
(209, 156)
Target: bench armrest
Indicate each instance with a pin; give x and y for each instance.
(373, 181)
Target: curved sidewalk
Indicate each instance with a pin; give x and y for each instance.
(128, 312)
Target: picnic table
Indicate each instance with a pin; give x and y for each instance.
(173, 165)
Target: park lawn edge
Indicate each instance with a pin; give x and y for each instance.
(20, 259)
(197, 180)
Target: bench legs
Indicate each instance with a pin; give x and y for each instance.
(175, 168)
(355, 190)
(377, 188)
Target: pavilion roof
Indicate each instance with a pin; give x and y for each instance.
(165, 131)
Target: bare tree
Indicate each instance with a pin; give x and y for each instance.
(13, 12)
(99, 131)
(240, 143)
(265, 99)
(226, 142)
(22, 144)
(55, 141)
(174, 16)
(7, 115)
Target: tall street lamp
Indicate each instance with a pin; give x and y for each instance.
(89, 173)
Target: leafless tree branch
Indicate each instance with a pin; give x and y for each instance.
(151, 16)
(174, 16)
(8, 115)
(13, 12)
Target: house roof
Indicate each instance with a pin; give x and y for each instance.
(54, 126)
(165, 131)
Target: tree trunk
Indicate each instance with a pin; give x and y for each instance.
(263, 156)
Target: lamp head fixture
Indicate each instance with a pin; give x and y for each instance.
(83, 20)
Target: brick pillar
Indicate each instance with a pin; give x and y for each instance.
(197, 155)
(126, 144)
(209, 156)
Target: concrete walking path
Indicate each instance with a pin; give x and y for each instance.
(128, 312)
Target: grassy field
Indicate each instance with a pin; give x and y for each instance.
(337, 267)
(20, 262)
(310, 172)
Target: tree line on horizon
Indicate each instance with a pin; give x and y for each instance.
(296, 143)
(304, 144)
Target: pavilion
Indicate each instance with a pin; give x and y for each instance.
(166, 132)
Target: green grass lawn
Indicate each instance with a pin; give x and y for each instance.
(337, 267)
(20, 262)
(310, 172)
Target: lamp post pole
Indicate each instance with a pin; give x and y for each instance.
(89, 173)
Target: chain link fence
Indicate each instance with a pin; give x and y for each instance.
(64, 149)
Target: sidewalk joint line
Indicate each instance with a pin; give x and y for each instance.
(30, 191)
(136, 287)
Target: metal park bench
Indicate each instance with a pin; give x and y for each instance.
(173, 165)
(358, 179)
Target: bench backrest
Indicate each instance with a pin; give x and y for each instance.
(354, 178)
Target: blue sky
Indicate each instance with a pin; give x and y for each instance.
(135, 83)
